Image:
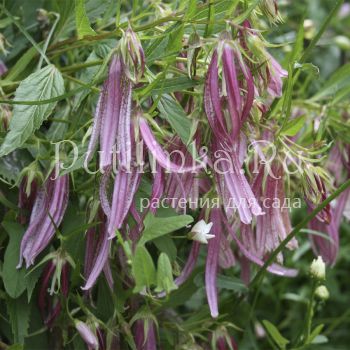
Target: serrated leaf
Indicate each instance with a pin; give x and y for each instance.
(143, 269)
(44, 84)
(19, 312)
(293, 126)
(165, 280)
(156, 227)
(81, 20)
(275, 334)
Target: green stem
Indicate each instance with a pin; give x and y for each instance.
(48, 39)
(309, 313)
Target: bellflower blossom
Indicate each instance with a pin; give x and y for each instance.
(47, 213)
(96, 255)
(49, 305)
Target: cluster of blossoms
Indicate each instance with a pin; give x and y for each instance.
(241, 82)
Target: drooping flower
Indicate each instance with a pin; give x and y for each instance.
(212, 262)
(112, 118)
(232, 185)
(96, 255)
(181, 188)
(200, 232)
(47, 213)
(87, 335)
(145, 334)
(55, 275)
(238, 105)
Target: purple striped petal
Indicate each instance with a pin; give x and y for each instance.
(125, 186)
(99, 259)
(211, 265)
(232, 88)
(52, 201)
(110, 121)
(158, 153)
(124, 135)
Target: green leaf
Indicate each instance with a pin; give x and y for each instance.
(338, 81)
(44, 84)
(19, 312)
(293, 126)
(156, 227)
(143, 269)
(166, 245)
(81, 20)
(275, 334)
(172, 111)
(14, 279)
(316, 332)
(165, 280)
(164, 86)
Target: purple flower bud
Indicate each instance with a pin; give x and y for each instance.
(48, 211)
(145, 334)
(275, 75)
(87, 334)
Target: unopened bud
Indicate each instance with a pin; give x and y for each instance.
(270, 10)
(322, 292)
(133, 55)
(318, 269)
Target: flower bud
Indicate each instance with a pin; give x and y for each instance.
(5, 113)
(133, 55)
(342, 42)
(318, 268)
(322, 292)
(270, 10)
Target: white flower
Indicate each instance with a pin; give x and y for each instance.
(322, 292)
(318, 268)
(200, 232)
